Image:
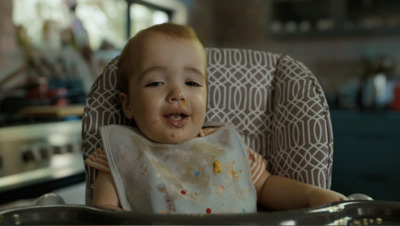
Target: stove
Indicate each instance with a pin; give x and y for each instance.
(38, 158)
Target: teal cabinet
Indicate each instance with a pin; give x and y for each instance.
(367, 153)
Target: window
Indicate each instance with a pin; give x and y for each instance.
(105, 22)
(142, 16)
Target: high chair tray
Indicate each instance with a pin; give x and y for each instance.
(340, 213)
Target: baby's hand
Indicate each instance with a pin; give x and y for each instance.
(320, 196)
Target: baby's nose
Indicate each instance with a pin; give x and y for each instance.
(176, 94)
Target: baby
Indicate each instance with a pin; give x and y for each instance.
(170, 161)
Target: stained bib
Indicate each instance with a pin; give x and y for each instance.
(208, 174)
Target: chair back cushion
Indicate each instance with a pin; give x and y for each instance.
(274, 101)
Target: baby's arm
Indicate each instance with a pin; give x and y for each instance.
(104, 193)
(281, 193)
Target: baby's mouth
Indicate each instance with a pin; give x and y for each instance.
(177, 119)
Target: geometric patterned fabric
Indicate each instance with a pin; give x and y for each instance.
(274, 101)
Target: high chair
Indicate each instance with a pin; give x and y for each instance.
(277, 105)
(274, 101)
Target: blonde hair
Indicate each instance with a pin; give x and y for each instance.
(128, 57)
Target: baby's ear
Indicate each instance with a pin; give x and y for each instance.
(125, 102)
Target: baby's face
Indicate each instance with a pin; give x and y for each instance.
(168, 93)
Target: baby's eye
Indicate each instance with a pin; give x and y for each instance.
(192, 83)
(154, 84)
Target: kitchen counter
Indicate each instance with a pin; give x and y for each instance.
(38, 158)
(53, 111)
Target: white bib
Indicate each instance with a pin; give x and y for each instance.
(208, 174)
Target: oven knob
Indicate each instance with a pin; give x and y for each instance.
(44, 153)
(57, 150)
(70, 148)
(28, 156)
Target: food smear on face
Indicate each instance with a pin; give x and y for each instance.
(184, 103)
(156, 121)
(179, 134)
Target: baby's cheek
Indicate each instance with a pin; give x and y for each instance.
(156, 121)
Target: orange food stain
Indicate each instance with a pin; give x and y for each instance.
(184, 103)
(234, 174)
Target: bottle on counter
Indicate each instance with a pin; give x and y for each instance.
(376, 87)
(395, 105)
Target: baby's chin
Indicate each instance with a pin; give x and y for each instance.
(170, 140)
(167, 134)
(175, 137)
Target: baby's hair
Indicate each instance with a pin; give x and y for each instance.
(126, 61)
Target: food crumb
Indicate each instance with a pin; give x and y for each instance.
(234, 174)
(217, 167)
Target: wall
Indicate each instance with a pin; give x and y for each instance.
(334, 59)
(7, 43)
(11, 57)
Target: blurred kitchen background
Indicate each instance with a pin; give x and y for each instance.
(51, 51)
